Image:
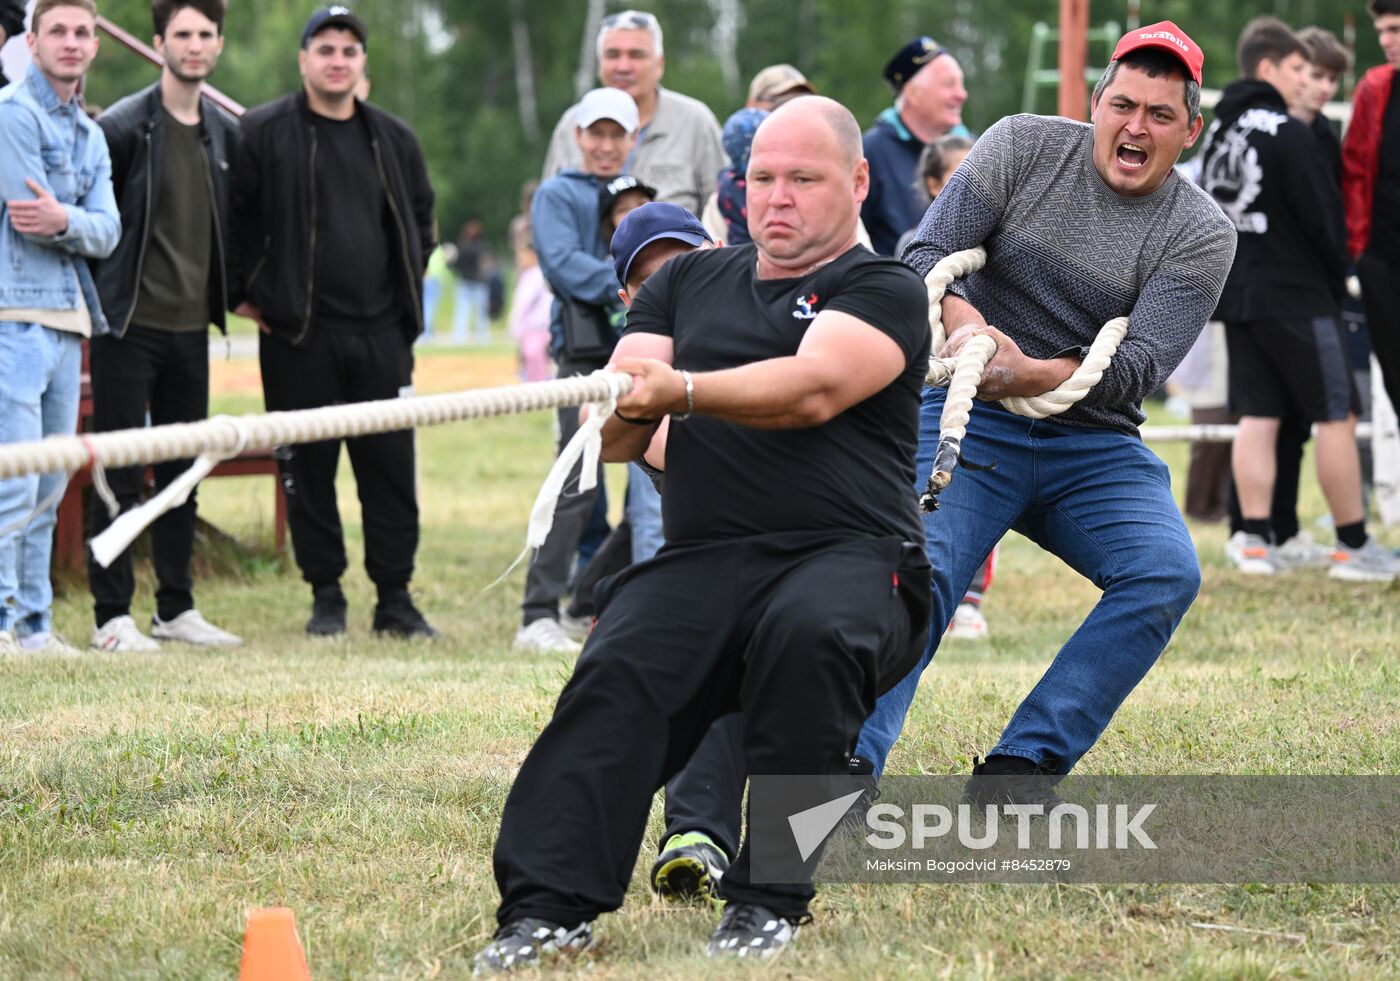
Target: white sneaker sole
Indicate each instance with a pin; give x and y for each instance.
(1347, 573)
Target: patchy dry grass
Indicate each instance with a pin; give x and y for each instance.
(147, 802)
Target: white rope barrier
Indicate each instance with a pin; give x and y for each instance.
(1216, 433)
(217, 439)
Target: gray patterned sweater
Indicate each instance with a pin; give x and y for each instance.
(1065, 254)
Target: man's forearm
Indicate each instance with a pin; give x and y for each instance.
(780, 393)
(625, 441)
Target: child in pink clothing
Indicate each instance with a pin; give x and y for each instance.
(529, 309)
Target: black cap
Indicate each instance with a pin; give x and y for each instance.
(909, 59)
(335, 16)
(619, 186)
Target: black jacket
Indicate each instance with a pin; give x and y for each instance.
(11, 22)
(275, 207)
(135, 131)
(1268, 173)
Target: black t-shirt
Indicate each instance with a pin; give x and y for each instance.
(355, 280)
(852, 476)
(1385, 210)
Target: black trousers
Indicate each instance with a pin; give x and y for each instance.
(168, 373)
(799, 633)
(1380, 294)
(342, 364)
(547, 579)
(708, 793)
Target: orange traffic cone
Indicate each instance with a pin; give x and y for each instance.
(271, 950)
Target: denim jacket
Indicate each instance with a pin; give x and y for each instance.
(61, 149)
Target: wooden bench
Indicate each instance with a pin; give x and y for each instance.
(70, 543)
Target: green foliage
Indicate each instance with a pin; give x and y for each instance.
(449, 66)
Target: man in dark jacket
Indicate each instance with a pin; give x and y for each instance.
(162, 287)
(11, 25)
(1282, 298)
(928, 100)
(334, 221)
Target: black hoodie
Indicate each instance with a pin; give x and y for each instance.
(1266, 171)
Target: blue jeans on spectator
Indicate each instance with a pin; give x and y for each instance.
(432, 296)
(473, 302)
(1101, 501)
(643, 514)
(41, 369)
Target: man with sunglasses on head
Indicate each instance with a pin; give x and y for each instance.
(928, 100)
(678, 150)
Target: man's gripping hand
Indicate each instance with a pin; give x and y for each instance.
(1010, 372)
(657, 389)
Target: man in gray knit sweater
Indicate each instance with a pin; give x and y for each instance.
(1082, 223)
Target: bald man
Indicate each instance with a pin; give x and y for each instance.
(790, 587)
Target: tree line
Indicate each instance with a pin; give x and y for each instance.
(483, 81)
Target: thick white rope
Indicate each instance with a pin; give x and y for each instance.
(217, 439)
(963, 374)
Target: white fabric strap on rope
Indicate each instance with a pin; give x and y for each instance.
(217, 439)
(119, 535)
(586, 444)
(963, 374)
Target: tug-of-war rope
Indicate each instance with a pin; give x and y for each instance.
(963, 374)
(222, 437)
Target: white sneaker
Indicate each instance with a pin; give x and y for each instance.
(546, 637)
(577, 628)
(1302, 552)
(121, 635)
(191, 628)
(968, 624)
(48, 642)
(1251, 554)
(8, 647)
(1372, 562)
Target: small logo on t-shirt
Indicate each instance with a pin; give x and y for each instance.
(805, 307)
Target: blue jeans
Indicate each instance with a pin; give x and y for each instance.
(432, 296)
(41, 369)
(1102, 502)
(472, 302)
(643, 514)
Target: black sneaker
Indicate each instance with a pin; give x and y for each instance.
(1013, 780)
(521, 944)
(327, 611)
(396, 615)
(689, 867)
(750, 930)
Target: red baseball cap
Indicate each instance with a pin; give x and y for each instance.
(1170, 38)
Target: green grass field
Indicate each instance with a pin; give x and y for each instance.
(147, 802)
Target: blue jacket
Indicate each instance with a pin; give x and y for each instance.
(60, 148)
(568, 237)
(894, 204)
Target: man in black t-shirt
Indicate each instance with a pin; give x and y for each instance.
(333, 225)
(791, 585)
